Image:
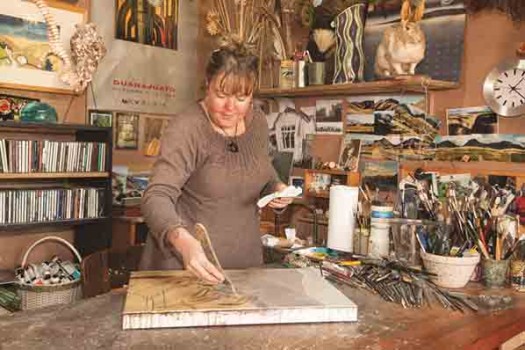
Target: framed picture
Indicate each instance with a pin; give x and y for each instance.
(11, 106)
(349, 155)
(100, 118)
(153, 128)
(157, 23)
(127, 131)
(26, 59)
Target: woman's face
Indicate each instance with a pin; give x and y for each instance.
(226, 110)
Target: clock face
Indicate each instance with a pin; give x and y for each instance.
(504, 88)
(509, 88)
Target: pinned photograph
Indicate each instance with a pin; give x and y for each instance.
(127, 131)
(329, 117)
(474, 120)
(359, 124)
(349, 155)
(103, 119)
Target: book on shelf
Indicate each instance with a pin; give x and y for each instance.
(30, 156)
(25, 206)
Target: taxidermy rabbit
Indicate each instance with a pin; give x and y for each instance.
(400, 50)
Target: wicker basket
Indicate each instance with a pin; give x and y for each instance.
(34, 297)
(450, 271)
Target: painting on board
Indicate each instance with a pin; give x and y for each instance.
(26, 57)
(153, 129)
(23, 43)
(149, 22)
(161, 299)
(481, 147)
(392, 147)
(474, 120)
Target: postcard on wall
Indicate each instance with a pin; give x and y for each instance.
(127, 131)
(329, 117)
(349, 155)
(359, 124)
(473, 120)
(153, 130)
(480, 147)
(152, 22)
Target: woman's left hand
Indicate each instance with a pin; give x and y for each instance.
(279, 203)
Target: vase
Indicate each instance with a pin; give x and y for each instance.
(349, 55)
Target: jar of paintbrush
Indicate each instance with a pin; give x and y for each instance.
(501, 246)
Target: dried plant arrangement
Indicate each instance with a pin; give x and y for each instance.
(255, 23)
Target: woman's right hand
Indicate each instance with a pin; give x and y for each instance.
(193, 255)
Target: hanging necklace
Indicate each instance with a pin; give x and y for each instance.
(232, 145)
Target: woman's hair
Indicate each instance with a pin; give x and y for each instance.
(235, 67)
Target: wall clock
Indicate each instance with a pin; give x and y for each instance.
(504, 88)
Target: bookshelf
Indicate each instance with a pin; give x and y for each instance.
(56, 177)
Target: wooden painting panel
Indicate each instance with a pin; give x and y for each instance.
(161, 299)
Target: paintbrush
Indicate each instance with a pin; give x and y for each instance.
(204, 238)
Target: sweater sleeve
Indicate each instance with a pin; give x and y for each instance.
(176, 162)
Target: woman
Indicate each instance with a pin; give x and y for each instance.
(212, 169)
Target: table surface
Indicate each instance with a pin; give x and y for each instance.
(96, 324)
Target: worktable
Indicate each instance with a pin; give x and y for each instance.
(96, 324)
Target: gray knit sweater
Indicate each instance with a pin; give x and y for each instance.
(196, 179)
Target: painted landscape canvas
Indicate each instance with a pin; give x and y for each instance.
(382, 175)
(473, 120)
(490, 147)
(390, 114)
(393, 147)
(24, 44)
(149, 22)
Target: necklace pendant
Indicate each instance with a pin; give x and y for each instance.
(233, 147)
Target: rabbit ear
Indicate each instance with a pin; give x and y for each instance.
(404, 24)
